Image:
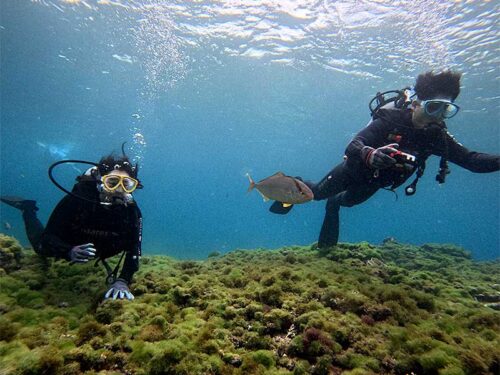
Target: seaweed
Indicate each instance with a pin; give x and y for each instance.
(353, 309)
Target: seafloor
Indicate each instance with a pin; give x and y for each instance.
(355, 309)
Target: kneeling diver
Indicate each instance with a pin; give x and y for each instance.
(99, 218)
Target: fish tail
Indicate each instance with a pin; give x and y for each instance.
(252, 183)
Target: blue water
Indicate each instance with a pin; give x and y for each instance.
(205, 92)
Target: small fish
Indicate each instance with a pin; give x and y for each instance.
(282, 188)
(7, 225)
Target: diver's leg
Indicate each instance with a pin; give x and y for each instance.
(331, 186)
(280, 209)
(354, 195)
(34, 228)
(333, 183)
(329, 234)
(19, 203)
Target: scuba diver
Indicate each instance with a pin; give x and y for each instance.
(404, 131)
(98, 219)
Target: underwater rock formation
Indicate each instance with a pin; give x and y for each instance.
(10, 254)
(353, 309)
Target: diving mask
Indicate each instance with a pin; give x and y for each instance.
(440, 108)
(111, 182)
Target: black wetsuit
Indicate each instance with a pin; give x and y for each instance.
(353, 182)
(111, 228)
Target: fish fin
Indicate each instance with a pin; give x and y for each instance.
(287, 205)
(278, 208)
(278, 174)
(263, 196)
(252, 183)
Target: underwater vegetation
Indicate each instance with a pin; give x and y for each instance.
(352, 309)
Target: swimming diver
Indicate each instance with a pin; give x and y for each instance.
(98, 219)
(403, 133)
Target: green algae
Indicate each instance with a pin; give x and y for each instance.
(10, 254)
(354, 309)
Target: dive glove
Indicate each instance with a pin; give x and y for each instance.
(82, 253)
(379, 158)
(119, 289)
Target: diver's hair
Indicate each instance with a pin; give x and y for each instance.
(122, 163)
(445, 84)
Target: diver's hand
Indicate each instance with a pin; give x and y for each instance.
(82, 253)
(119, 289)
(378, 158)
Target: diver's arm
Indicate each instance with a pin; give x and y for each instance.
(130, 266)
(372, 136)
(131, 263)
(473, 161)
(59, 222)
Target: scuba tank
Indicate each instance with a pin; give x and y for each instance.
(400, 99)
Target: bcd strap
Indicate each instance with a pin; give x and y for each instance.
(112, 275)
(443, 163)
(443, 170)
(412, 188)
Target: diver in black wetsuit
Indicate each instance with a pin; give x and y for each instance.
(98, 218)
(394, 145)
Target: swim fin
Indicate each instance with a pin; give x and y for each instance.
(280, 208)
(19, 203)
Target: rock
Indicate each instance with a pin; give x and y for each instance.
(389, 240)
(232, 359)
(494, 306)
(488, 297)
(10, 253)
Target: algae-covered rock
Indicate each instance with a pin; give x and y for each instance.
(107, 311)
(8, 329)
(89, 331)
(353, 309)
(10, 253)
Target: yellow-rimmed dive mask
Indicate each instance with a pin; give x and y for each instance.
(111, 182)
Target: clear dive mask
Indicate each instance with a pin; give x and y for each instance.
(443, 108)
